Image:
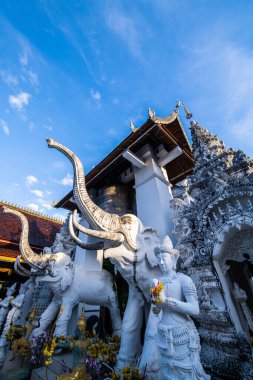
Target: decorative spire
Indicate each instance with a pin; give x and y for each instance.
(188, 116)
(205, 146)
(187, 113)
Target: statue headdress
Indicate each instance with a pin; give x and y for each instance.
(167, 246)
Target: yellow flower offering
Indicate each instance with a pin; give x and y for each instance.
(155, 293)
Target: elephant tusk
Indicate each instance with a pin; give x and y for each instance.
(113, 236)
(18, 271)
(26, 271)
(82, 244)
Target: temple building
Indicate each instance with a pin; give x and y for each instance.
(202, 197)
(43, 230)
(199, 195)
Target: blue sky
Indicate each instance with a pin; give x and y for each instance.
(78, 71)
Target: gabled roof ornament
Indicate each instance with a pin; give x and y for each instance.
(178, 104)
(151, 113)
(162, 120)
(133, 129)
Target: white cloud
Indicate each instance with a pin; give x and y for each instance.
(228, 85)
(8, 78)
(125, 26)
(95, 95)
(31, 126)
(31, 180)
(38, 193)
(33, 78)
(33, 206)
(48, 127)
(67, 180)
(5, 127)
(19, 101)
(46, 205)
(23, 58)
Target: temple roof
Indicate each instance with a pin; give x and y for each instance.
(155, 131)
(42, 228)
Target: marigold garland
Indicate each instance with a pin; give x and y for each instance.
(155, 293)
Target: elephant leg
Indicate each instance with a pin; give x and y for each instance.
(150, 358)
(131, 330)
(47, 317)
(113, 306)
(61, 326)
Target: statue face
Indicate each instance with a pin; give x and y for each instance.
(165, 261)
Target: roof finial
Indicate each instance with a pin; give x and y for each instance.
(178, 104)
(188, 115)
(151, 113)
(133, 129)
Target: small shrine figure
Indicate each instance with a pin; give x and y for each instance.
(79, 344)
(5, 304)
(175, 296)
(12, 317)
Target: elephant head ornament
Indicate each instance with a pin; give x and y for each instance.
(130, 247)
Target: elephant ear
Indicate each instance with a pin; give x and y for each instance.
(67, 276)
(148, 241)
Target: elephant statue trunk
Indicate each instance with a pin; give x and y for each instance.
(104, 225)
(37, 262)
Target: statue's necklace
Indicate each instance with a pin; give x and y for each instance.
(168, 279)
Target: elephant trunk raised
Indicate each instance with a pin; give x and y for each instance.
(105, 225)
(70, 283)
(37, 262)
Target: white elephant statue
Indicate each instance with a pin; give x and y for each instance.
(69, 282)
(130, 247)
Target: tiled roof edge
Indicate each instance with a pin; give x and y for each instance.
(31, 212)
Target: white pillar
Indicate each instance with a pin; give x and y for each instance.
(90, 260)
(153, 194)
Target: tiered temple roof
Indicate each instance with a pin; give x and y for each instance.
(155, 131)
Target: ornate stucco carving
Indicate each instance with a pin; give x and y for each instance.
(217, 224)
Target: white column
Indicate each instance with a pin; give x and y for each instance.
(153, 194)
(90, 260)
